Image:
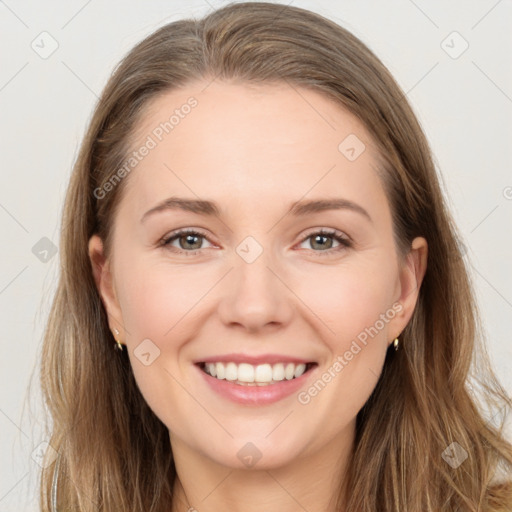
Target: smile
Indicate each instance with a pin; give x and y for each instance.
(245, 374)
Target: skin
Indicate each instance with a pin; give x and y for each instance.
(255, 150)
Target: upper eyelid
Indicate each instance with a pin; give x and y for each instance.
(184, 231)
(325, 231)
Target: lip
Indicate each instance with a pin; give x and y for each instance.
(255, 395)
(254, 360)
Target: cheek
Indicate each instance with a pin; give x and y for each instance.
(158, 303)
(355, 302)
(155, 297)
(348, 298)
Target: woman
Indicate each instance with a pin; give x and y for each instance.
(311, 349)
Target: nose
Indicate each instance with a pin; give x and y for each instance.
(255, 296)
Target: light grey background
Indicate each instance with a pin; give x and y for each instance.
(463, 103)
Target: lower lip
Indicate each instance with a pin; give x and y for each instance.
(255, 395)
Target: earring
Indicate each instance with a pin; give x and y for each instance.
(395, 343)
(118, 345)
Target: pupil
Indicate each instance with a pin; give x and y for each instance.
(190, 238)
(320, 237)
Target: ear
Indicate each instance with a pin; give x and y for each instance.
(411, 276)
(104, 282)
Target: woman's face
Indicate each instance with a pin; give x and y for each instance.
(256, 283)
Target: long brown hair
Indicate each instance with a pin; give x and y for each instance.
(113, 452)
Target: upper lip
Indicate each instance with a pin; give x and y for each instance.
(254, 360)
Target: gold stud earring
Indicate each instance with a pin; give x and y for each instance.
(118, 345)
(395, 343)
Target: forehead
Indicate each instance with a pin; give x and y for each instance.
(241, 142)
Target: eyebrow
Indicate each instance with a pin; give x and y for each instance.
(298, 208)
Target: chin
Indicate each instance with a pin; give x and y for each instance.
(257, 453)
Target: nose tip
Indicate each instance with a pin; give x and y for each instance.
(254, 296)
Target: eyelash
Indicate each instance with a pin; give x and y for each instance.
(344, 242)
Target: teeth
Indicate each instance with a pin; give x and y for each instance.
(263, 373)
(220, 371)
(212, 369)
(245, 372)
(231, 371)
(299, 370)
(278, 371)
(260, 375)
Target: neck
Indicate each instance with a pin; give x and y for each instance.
(310, 483)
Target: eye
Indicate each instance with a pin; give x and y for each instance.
(320, 239)
(189, 241)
